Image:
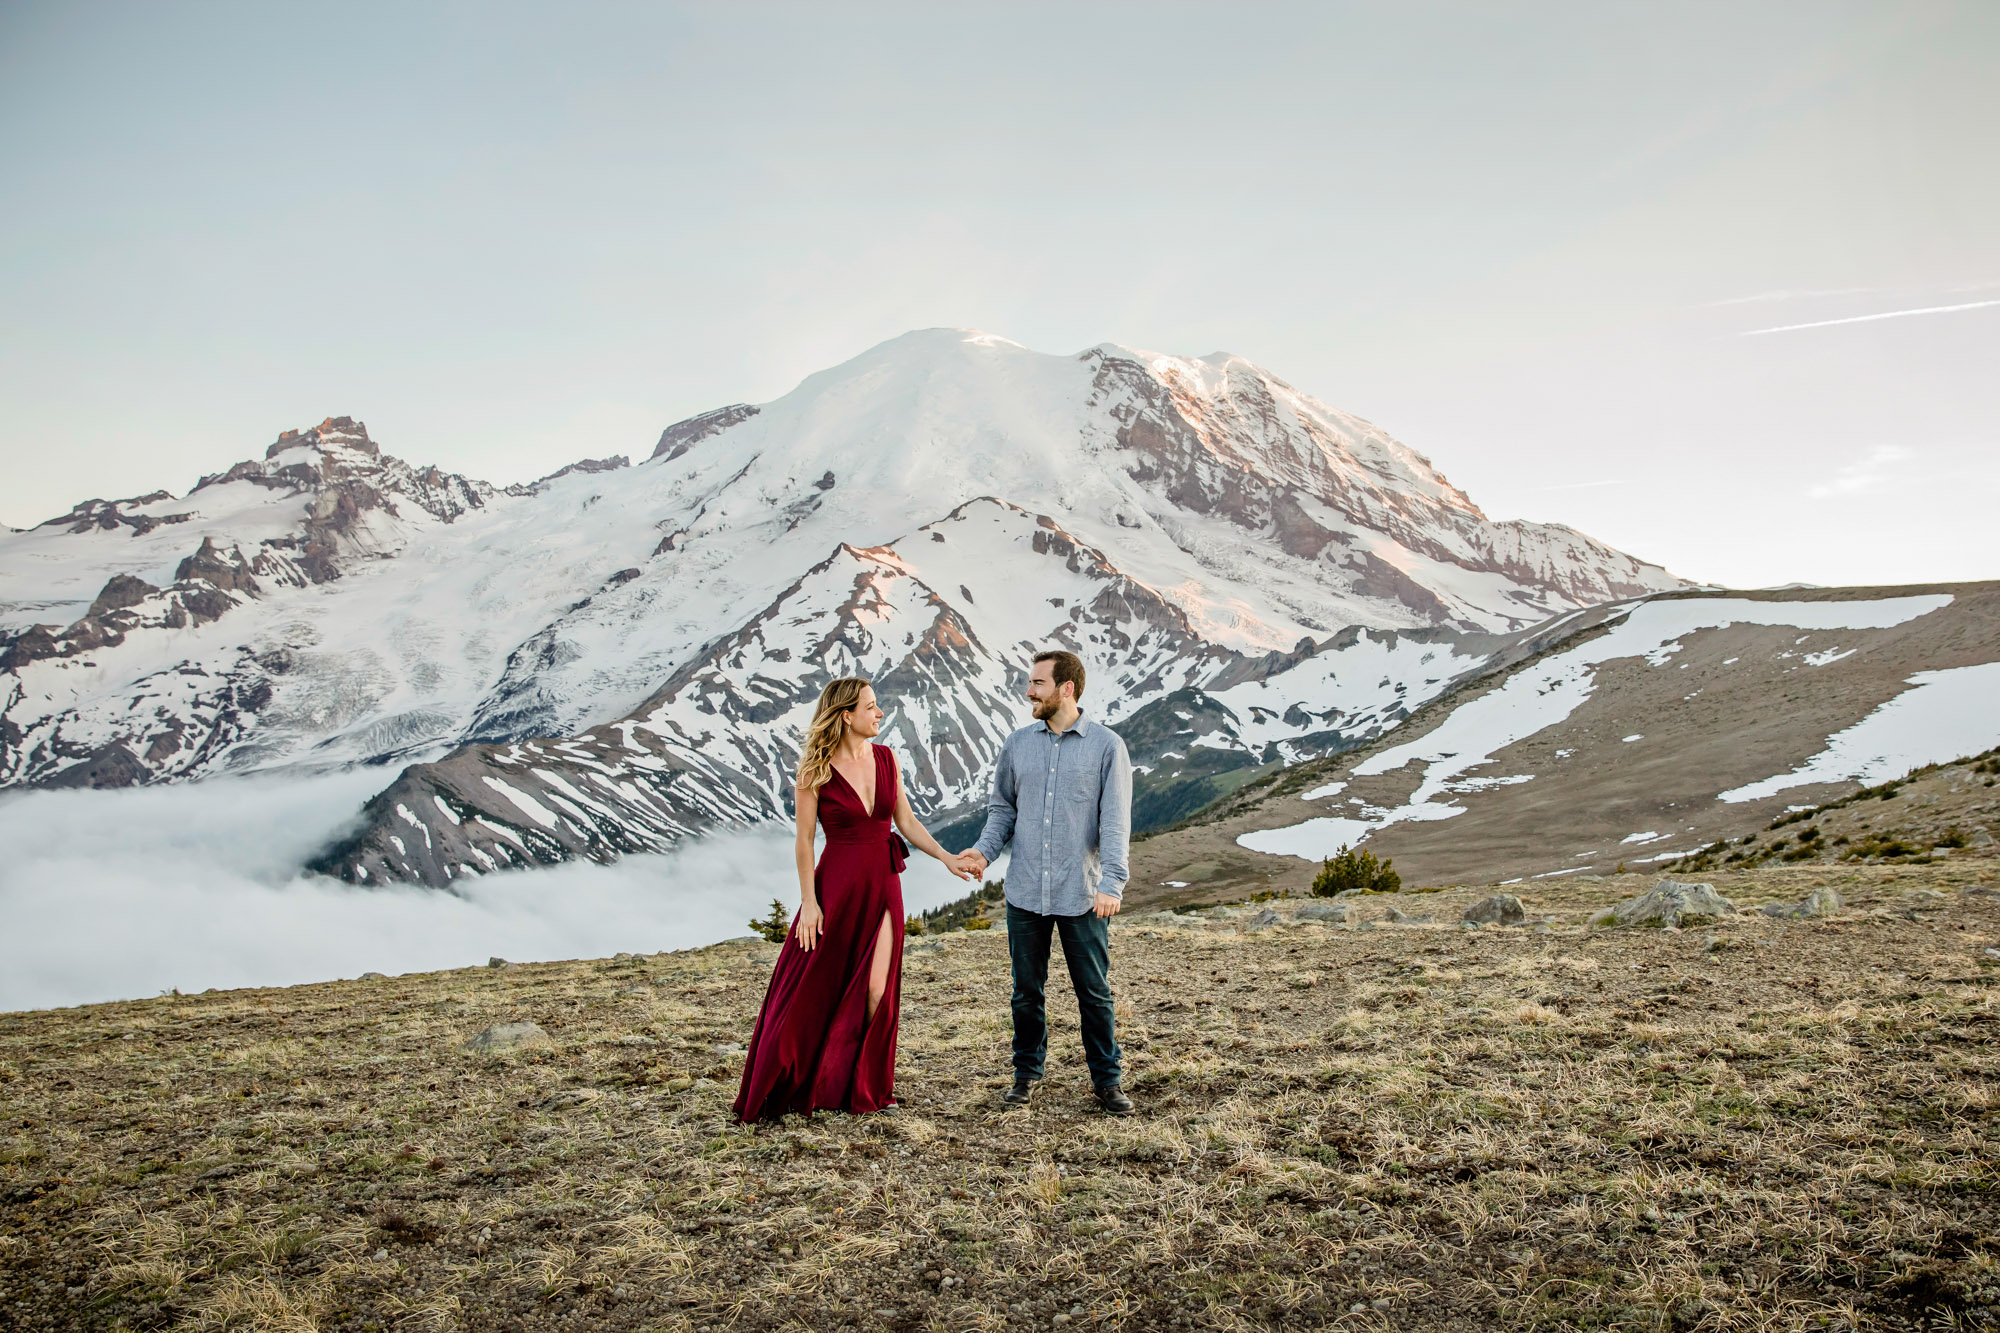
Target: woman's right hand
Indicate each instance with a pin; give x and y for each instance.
(806, 927)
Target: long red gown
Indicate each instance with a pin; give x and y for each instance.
(813, 1048)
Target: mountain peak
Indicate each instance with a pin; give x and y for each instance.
(1185, 523)
(335, 432)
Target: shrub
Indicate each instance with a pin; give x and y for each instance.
(1355, 869)
(1951, 837)
(775, 924)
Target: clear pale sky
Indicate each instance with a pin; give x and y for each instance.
(1534, 241)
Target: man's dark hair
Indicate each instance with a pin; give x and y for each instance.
(1066, 666)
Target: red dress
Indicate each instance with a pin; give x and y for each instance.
(814, 1048)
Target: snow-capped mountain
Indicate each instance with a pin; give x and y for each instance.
(617, 655)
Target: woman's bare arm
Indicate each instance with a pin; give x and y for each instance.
(806, 927)
(920, 837)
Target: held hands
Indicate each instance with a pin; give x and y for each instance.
(968, 864)
(807, 926)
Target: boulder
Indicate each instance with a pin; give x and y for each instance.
(508, 1037)
(1820, 902)
(1502, 909)
(1260, 921)
(1323, 910)
(1402, 918)
(1668, 903)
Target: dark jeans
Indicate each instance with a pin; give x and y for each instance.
(1086, 946)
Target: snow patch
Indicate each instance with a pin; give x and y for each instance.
(527, 804)
(1947, 714)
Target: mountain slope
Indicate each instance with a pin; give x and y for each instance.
(331, 605)
(1646, 731)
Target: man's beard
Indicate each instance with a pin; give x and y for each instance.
(1044, 709)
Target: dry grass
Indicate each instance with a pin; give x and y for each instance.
(1774, 1125)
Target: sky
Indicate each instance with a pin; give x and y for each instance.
(1716, 283)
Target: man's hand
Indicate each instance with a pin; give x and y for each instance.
(1107, 905)
(973, 862)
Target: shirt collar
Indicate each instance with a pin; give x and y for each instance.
(1079, 727)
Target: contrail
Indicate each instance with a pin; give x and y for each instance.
(1863, 319)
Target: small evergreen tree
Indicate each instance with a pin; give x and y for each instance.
(1349, 869)
(774, 926)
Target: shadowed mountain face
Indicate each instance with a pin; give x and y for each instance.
(1211, 541)
(1634, 735)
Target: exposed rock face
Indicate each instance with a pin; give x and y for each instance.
(111, 766)
(1668, 903)
(682, 436)
(208, 565)
(583, 466)
(1502, 909)
(122, 591)
(110, 515)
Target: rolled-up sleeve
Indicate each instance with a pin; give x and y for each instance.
(1000, 811)
(1114, 817)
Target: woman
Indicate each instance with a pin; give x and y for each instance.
(826, 1039)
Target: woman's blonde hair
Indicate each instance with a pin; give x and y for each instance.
(840, 697)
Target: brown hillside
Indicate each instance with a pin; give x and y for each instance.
(1733, 706)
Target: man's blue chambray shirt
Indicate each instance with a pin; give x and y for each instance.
(1066, 803)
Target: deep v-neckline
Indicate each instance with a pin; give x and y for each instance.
(867, 806)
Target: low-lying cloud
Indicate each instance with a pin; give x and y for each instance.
(118, 894)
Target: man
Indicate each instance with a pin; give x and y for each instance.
(1063, 795)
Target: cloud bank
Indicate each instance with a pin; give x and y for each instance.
(119, 894)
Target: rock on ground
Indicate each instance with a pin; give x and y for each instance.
(1502, 909)
(509, 1037)
(1820, 902)
(1668, 903)
(1327, 911)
